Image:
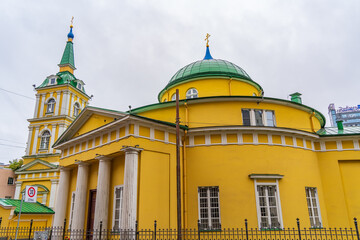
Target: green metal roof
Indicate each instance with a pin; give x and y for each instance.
(27, 208)
(68, 55)
(333, 131)
(65, 77)
(209, 68)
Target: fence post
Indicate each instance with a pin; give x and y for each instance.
(136, 230)
(357, 229)
(246, 229)
(198, 229)
(63, 237)
(100, 230)
(298, 227)
(31, 223)
(155, 224)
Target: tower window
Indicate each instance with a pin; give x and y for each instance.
(45, 139)
(50, 106)
(76, 109)
(191, 93)
(52, 81)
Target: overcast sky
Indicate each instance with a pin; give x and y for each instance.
(127, 51)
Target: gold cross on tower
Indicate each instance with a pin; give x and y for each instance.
(207, 39)
(72, 20)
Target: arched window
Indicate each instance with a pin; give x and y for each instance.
(191, 93)
(76, 109)
(50, 106)
(173, 97)
(45, 139)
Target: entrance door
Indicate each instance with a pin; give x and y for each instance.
(91, 211)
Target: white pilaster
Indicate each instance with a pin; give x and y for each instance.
(102, 193)
(42, 105)
(128, 214)
(29, 141)
(52, 138)
(35, 140)
(53, 192)
(17, 190)
(58, 106)
(80, 196)
(61, 197)
(71, 105)
(64, 103)
(36, 106)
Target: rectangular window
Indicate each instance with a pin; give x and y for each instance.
(246, 117)
(10, 181)
(118, 197)
(268, 207)
(313, 207)
(259, 118)
(209, 208)
(270, 120)
(72, 209)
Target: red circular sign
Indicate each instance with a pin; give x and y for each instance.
(31, 192)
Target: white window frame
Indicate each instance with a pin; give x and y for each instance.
(311, 207)
(114, 206)
(278, 202)
(42, 138)
(71, 214)
(192, 93)
(77, 109)
(52, 106)
(209, 207)
(263, 116)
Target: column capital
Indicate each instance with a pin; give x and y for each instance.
(64, 169)
(81, 163)
(129, 149)
(18, 183)
(102, 158)
(54, 180)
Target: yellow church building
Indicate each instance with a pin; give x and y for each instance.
(243, 156)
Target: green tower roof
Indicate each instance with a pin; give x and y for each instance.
(68, 55)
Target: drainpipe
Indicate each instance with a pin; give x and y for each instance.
(230, 86)
(186, 114)
(184, 183)
(312, 122)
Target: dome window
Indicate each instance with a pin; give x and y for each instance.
(173, 97)
(191, 93)
(79, 86)
(52, 81)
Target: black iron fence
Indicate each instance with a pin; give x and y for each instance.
(298, 233)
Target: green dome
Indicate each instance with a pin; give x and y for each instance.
(208, 68)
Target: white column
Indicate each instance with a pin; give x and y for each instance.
(64, 103)
(61, 197)
(35, 140)
(52, 138)
(129, 207)
(42, 105)
(58, 106)
(29, 141)
(17, 190)
(36, 105)
(80, 196)
(71, 104)
(53, 192)
(102, 193)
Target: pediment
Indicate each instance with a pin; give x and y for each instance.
(37, 165)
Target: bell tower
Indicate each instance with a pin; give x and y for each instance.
(59, 100)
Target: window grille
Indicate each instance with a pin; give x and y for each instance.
(191, 93)
(209, 208)
(268, 207)
(313, 207)
(45, 139)
(118, 197)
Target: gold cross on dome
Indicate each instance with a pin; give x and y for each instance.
(72, 20)
(207, 39)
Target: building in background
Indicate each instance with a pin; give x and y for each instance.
(7, 182)
(349, 115)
